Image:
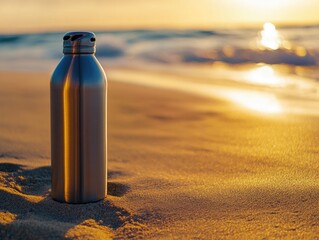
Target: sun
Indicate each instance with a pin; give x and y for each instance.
(266, 4)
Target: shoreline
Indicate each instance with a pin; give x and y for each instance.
(180, 166)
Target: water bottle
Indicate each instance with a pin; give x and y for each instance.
(78, 92)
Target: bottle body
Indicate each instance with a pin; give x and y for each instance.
(78, 92)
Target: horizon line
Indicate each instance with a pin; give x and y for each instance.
(254, 26)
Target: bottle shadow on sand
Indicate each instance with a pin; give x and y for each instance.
(27, 210)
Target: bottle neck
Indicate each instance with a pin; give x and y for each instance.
(79, 50)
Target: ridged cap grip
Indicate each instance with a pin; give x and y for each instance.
(79, 42)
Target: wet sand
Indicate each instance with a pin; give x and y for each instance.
(180, 166)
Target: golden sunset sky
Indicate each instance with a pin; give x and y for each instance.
(46, 15)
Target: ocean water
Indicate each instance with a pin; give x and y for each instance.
(169, 47)
(274, 60)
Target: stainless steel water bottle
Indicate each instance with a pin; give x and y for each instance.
(78, 92)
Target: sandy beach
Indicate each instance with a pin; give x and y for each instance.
(180, 166)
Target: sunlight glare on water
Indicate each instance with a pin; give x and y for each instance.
(270, 37)
(264, 75)
(260, 102)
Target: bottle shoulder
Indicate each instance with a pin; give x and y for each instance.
(79, 69)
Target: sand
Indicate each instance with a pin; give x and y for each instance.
(180, 166)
